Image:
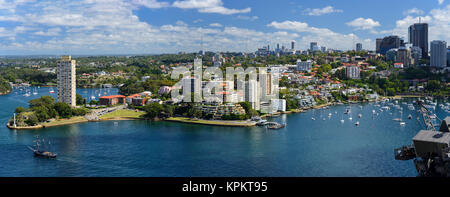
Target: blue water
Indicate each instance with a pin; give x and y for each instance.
(144, 148)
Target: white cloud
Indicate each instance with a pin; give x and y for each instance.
(322, 11)
(215, 25)
(151, 3)
(323, 36)
(440, 2)
(208, 6)
(249, 18)
(364, 24)
(112, 27)
(49, 32)
(414, 11)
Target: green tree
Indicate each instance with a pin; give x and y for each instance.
(80, 100)
(63, 109)
(4, 86)
(433, 85)
(32, 120)
(42, 113)
(79, 111)
(19, 110)
(153, 110)
(169, 110)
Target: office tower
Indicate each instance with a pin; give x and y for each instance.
(293, 45)
(358, 47)
(418, 37)
(323, 49)
(378, 43)
(66, 81)
(313, 46)
(438, 54)
(352, 72)
(448, 56)
(404, 56)
(416, 54)
(388, 43)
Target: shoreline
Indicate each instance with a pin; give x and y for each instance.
(5, 93)
(227, 123)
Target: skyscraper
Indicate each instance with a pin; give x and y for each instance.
(313, 46)
(358, 47)
(66, 81)
(388, 43)
(293, 45)
(438, 54)
(448, 56)
(418, 37)
(378, 43)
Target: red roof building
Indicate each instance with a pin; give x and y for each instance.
(112, 100)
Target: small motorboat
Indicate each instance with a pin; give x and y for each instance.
(276, 126)
(402, 123)
(357, 123)
(409, 116)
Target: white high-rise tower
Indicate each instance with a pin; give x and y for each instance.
(66, 81)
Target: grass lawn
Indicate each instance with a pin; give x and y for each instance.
(73, 120)
(122, 113)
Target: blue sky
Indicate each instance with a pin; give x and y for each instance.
(169, 26)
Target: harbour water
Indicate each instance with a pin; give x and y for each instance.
(305, 147)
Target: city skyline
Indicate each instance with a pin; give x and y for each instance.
(97, 27)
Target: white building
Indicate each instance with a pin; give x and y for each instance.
(304, 66)
(66, 81)
(252, 94)
(192, 86)
(352, 72)
(164, 90)
(278, 105)
(438, 54)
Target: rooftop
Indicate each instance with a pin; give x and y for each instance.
(432, 136)
(111, 97)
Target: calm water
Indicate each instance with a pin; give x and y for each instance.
(144, 148)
